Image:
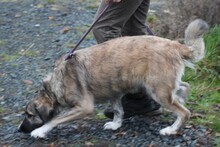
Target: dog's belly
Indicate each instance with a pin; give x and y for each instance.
(115, 91)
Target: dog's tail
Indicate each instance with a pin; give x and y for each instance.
(194, 39)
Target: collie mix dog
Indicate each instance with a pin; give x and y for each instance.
(110, 70)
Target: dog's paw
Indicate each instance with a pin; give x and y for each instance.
(38, 133)
(42, 131)
(168, 131)
(112, 126)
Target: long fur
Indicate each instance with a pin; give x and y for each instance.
(114, 68)
(194, 39)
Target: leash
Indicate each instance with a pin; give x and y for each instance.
(70, 55)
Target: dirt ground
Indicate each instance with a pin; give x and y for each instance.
(33, 34)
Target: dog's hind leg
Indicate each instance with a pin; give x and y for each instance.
(183, 92)
(183, 114)
(118, 116)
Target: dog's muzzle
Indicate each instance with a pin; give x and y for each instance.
(26, 126)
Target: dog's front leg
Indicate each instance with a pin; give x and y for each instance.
(75, 113)
(118, 116)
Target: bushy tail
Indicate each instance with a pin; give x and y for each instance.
(194, 39)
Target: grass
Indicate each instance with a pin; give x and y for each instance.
(205, 83)
(1, 109)
(6, 58)
(51, 1)
(17, 55)
(2, 42)
(100, 115)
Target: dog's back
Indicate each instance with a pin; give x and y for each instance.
(120, 65)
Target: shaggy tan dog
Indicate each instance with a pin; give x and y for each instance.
(110, 70)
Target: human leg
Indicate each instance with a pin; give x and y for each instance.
(136, 25)
(139, 103)
(111, 24)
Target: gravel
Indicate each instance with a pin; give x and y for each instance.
(32, 36)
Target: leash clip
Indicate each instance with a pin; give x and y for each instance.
(68, 56)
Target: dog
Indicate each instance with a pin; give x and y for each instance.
(108, 71)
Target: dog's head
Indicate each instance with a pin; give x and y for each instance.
(38, 112)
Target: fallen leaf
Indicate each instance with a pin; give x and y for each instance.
(2, 89)
(208, 132)
(50, 145)
(217, 134)
(192, 102)
(50, 17)
(216, 107)
(17, 15)
(189, 126)
(1, 74)
(87, 143)
(28, 82)
(120, 134)
(194, 115)
(64, 30)
(2, 98)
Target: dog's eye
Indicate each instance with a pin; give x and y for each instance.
(29, 115)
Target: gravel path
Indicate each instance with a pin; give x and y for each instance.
(33, 33)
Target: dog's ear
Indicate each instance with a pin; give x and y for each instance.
(46, 89)
(45, 111)
(30, 109)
